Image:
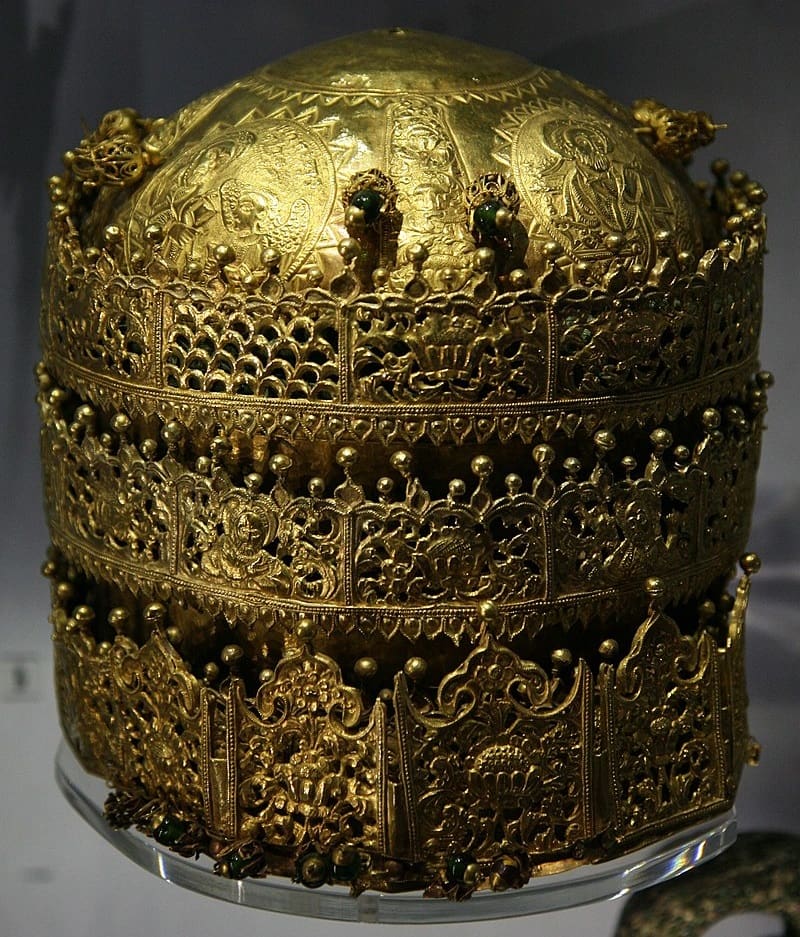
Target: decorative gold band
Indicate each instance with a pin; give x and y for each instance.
(502, 762)
(396, 548)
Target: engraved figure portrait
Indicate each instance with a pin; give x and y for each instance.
(588, 178)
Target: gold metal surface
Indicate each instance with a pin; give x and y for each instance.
(400, 420)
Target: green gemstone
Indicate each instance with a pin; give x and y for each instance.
(170, 831)
(457, 865)
(236, 865)
(485, 217)
(370, 202)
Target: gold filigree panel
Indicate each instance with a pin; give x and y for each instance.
(581, 533)
(501, 762)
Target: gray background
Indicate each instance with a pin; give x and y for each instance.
(63, 65)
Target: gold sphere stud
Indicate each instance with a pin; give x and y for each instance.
(231, 654)
(112, 234)
(561, 658)
(174, 634)
(83, 615)
(154, 614)
(64, 591)
(385, 486)
(154, 232)
(313, 870)
(316, 487)
(349, 249)
(118, 618)
(605, 440)
(661, 439)
(365, 667)
(655, 587)
(279, 464)
(449, 277)
(386, 695)
(172, 433)
(543, 456)
(664, 240)
(503, 218)
(488, 610)
(711, 419)
(305, 629)
(270, 257)
(706, 611)
(518, 279)
(120, 423)
(315, 276)
(482, 466)
(346, 456)
(415, 668)
(224, 254)
(400, 461)
(417, 254)
(84, 414)
(211, 672)
(266, 675)
(484, 259)
(380, 277)
(354, 217)
(457, 488)
(609, 650)
(472, 874)
(551, 250)
(682, 454)
(253, 481)
(750, 563)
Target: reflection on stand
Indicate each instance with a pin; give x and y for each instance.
(759, 873)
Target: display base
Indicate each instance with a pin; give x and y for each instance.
(655, 863)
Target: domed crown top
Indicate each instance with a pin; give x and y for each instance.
(397, 60)
(454, 132)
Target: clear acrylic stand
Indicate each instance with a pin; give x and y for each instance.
(613, 879)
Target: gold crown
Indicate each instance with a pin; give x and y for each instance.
(393, 500)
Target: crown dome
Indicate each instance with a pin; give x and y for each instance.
(263, 162)
(400, 420)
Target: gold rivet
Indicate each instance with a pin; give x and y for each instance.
(518, 279)
(231, 654)
(472, 874)
(415, 668)
(305, 629)
(750, 563)
(417, 253)
(349, 249)
(365, 667)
